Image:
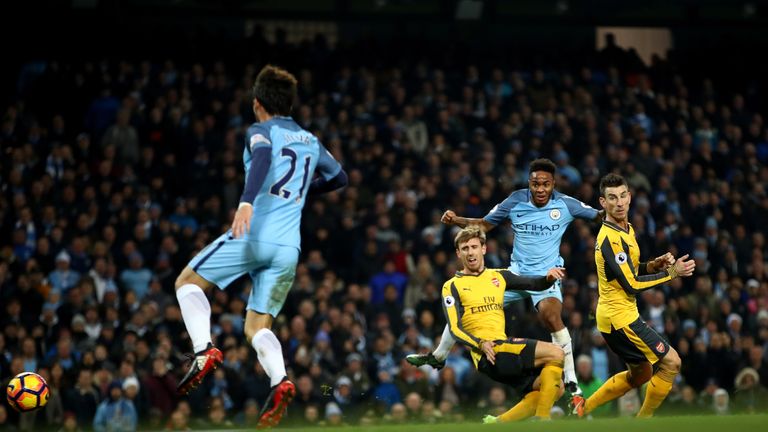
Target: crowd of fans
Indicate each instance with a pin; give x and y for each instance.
(114, 174)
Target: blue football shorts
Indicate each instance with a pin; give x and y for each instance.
(272, 268)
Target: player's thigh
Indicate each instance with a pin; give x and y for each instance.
(273, 280)
(554, 292)
(637, 342)
(224, 260)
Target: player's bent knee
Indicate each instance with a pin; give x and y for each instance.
(189, 276)
(549, 353)
(640, 374)
(182, 279)
(671, 361)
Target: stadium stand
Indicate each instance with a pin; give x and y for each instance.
(115, 172)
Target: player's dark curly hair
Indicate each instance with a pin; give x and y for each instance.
(542, 164)
(275, 89)
(611, 180)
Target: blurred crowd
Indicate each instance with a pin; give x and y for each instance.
(115, 173)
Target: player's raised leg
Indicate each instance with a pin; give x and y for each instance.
(436, 358)
(196, 312)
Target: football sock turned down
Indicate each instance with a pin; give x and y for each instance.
(562, 338)
(657, 390)
(616, 386)
(524, 409)
(196, 312)
(550, 375)
(444, 347)
(270, 355)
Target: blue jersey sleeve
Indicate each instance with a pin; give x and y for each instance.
(578, 209)
(327, 166)
(500, 212)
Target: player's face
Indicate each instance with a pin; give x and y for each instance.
(541, 184)
(471, 254)
(616, 202)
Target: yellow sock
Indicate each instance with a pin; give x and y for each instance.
(616, 386)
(657, 390)
(551, 376)
(523, 409)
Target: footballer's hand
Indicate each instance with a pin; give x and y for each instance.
(555, 274)
(487, 348)
(242, 222)
(662, 262)
(449, 217)
(684, 267)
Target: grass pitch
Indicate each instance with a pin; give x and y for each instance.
(703, 423)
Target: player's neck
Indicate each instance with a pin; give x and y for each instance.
(469, 272)
(263, 116)
(623, 223)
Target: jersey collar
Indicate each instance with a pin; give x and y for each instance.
(616, 227)
(459, 273)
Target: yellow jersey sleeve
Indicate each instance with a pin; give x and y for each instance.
(619, 267)
(454, 312)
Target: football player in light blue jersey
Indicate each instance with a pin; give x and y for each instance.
(281, 160)
(539, 217)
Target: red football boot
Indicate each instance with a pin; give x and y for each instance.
(202, 364)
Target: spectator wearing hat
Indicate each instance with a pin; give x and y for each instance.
(133, 392)
(345, 398)
(115, 413)
(750, 397)
(333, 415)
(721, 402)
(63, 278)
(354, 370)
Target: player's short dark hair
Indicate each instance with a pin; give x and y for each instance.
(611, 180)
(542, 164)
(275, 89)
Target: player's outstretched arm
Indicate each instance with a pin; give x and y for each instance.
(450, 218)
(516, 282)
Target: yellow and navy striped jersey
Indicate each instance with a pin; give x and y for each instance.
(474, 304)
(621, 276)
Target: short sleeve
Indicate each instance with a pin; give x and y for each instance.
(578, 209)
